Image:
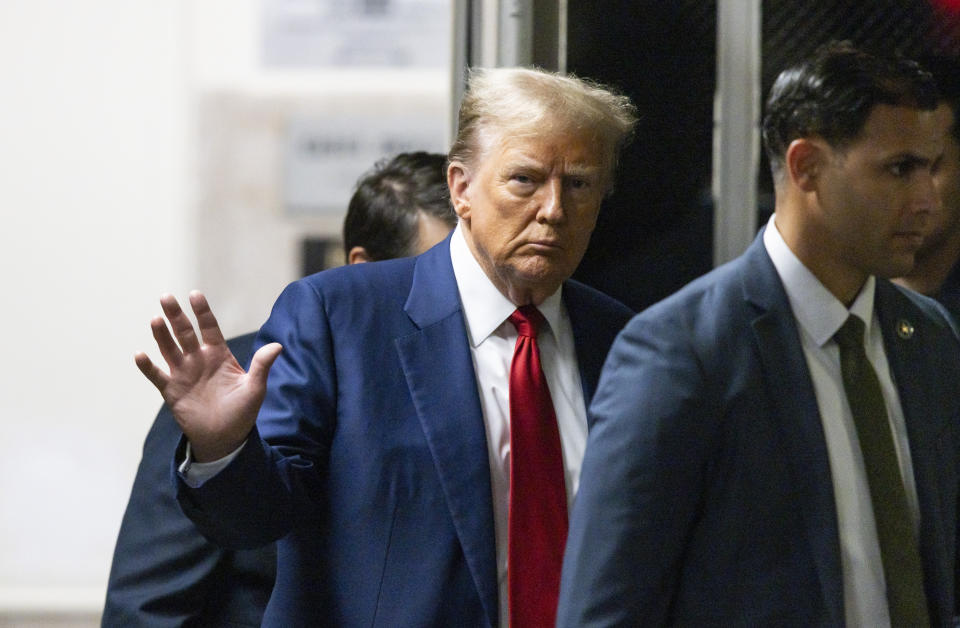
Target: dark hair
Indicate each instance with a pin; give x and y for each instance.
(832, 94)
(383, 214)
(946, 74)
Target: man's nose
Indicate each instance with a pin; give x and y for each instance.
(926, 194)
(551, 205)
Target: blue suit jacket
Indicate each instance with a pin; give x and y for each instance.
(949, 293)
(706, 496)
(164, 572)
(370, 457)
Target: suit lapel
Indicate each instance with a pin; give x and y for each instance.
(794, 407)
(439, 372)
(910, 339)
(589, 359)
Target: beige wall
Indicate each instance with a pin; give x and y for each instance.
(107, 204)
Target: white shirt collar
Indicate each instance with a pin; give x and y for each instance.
(484, 307)
(816, 309)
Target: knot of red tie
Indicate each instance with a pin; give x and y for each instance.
(527, 319)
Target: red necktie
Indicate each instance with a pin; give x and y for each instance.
(538, 498)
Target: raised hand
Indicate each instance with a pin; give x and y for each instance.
(213, 400)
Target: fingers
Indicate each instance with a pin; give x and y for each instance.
(262, 361)
(169, 349)
(153, 373)
(209, 328)
(184, 339)
(181, 325)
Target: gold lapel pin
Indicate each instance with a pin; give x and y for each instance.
(905, 329)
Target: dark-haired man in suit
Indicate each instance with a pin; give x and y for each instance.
(778, 443)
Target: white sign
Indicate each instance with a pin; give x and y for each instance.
(356, 33)
(324, 157)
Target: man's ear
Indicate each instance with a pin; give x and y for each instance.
(458, 180)
(358, 255)
(805, 161)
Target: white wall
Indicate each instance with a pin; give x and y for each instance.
(92, 143)
(104, 203)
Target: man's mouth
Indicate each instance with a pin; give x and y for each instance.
(544, 244)
(912, 238)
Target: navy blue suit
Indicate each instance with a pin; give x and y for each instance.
(706, 496)
(949, 293)
(164, 572)
(370, 458)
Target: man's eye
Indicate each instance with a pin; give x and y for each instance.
(578, 184)
(522, 178)
(907, 167)
(937, 165)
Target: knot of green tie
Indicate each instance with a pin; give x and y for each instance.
(850, 335)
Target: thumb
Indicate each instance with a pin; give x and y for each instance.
(262, 361)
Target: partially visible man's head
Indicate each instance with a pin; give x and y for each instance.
(400, 208)
(945, 224)
(534, 156)
(831, 95)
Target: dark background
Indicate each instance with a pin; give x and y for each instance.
(655, 232)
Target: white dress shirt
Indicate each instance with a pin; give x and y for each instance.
(819, 316)
(492, 339)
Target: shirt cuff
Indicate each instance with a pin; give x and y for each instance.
(194, 474)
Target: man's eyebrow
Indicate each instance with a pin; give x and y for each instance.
(911, 159)
(522, 161)
(528, 162)
(583, 169)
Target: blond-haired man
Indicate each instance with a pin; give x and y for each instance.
(383, 456)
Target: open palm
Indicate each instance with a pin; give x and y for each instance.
(213, 399)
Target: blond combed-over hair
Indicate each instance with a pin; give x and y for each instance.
(512, 102)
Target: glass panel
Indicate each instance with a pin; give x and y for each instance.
(293, 101)
(792, 29)
(654, 234)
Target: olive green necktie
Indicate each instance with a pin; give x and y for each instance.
(895, 531)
